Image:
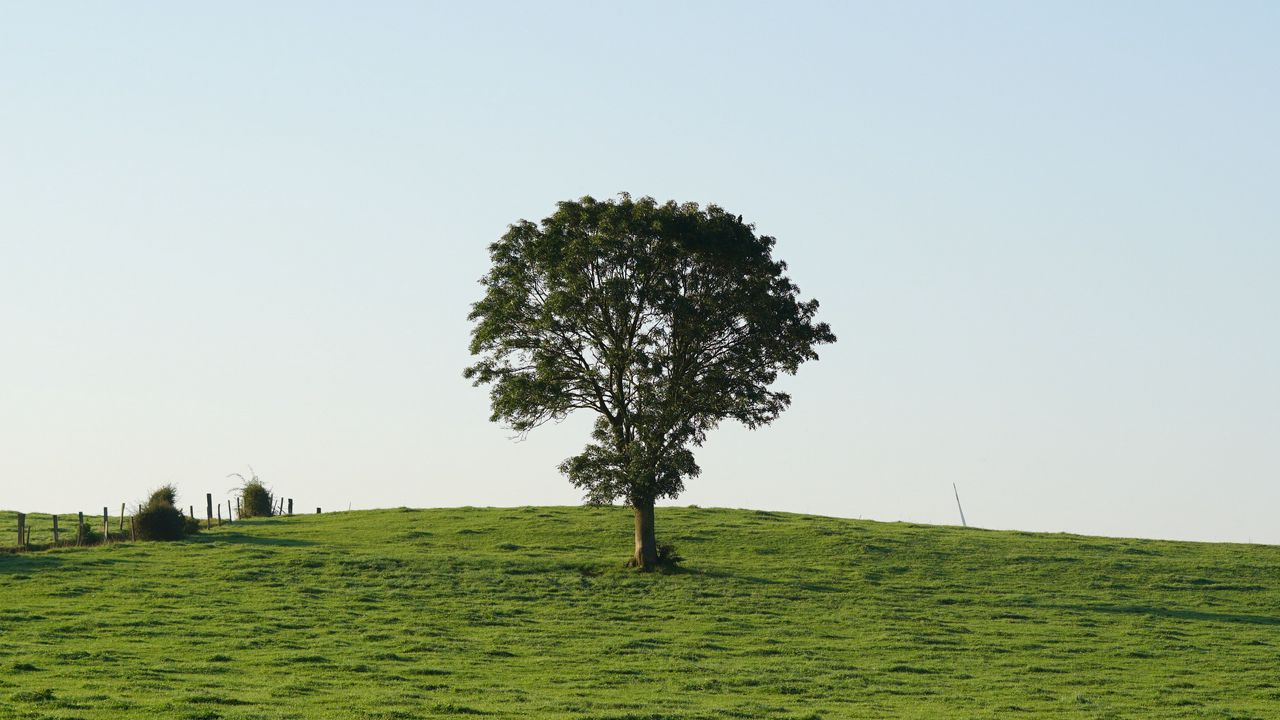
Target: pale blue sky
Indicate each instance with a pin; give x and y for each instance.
(1047, 236)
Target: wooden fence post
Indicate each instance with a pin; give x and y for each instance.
(80, 528)
(55, 530)
(22, 529)
(239, 512)
(317, 511)
(208, 501)
(290, 507)
(106, 526)
(230, 517)
(133, 528)
(219, 514)
(122, 518)
(191, 509)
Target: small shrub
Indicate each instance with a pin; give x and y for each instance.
(160, 522)
(668, 556)
(190, 525)
(164, 495)
(158, 519)
(90, 535)
(255, 498)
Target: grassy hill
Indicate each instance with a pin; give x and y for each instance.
(526, 612)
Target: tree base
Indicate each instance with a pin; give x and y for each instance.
(667, 559)
(642, 567)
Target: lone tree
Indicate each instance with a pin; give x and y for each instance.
(664, 319)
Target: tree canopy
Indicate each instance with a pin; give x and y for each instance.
(663, 319)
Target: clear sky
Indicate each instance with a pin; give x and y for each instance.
(1047, 235)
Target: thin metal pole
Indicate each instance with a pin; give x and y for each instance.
(957, 492)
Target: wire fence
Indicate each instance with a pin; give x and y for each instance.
(23, 532)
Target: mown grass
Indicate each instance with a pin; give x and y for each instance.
(527, 612)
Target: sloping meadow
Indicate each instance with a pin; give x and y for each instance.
(528, 612)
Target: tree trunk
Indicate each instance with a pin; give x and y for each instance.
(646, 555)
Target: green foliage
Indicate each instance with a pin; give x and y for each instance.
(255, 498)
(88, 534)
(662, 319)
(158, 519)
(163, 495)
(160, 522)
(516, 613)
(668, 556)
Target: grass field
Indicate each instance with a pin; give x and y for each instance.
(527, 612)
